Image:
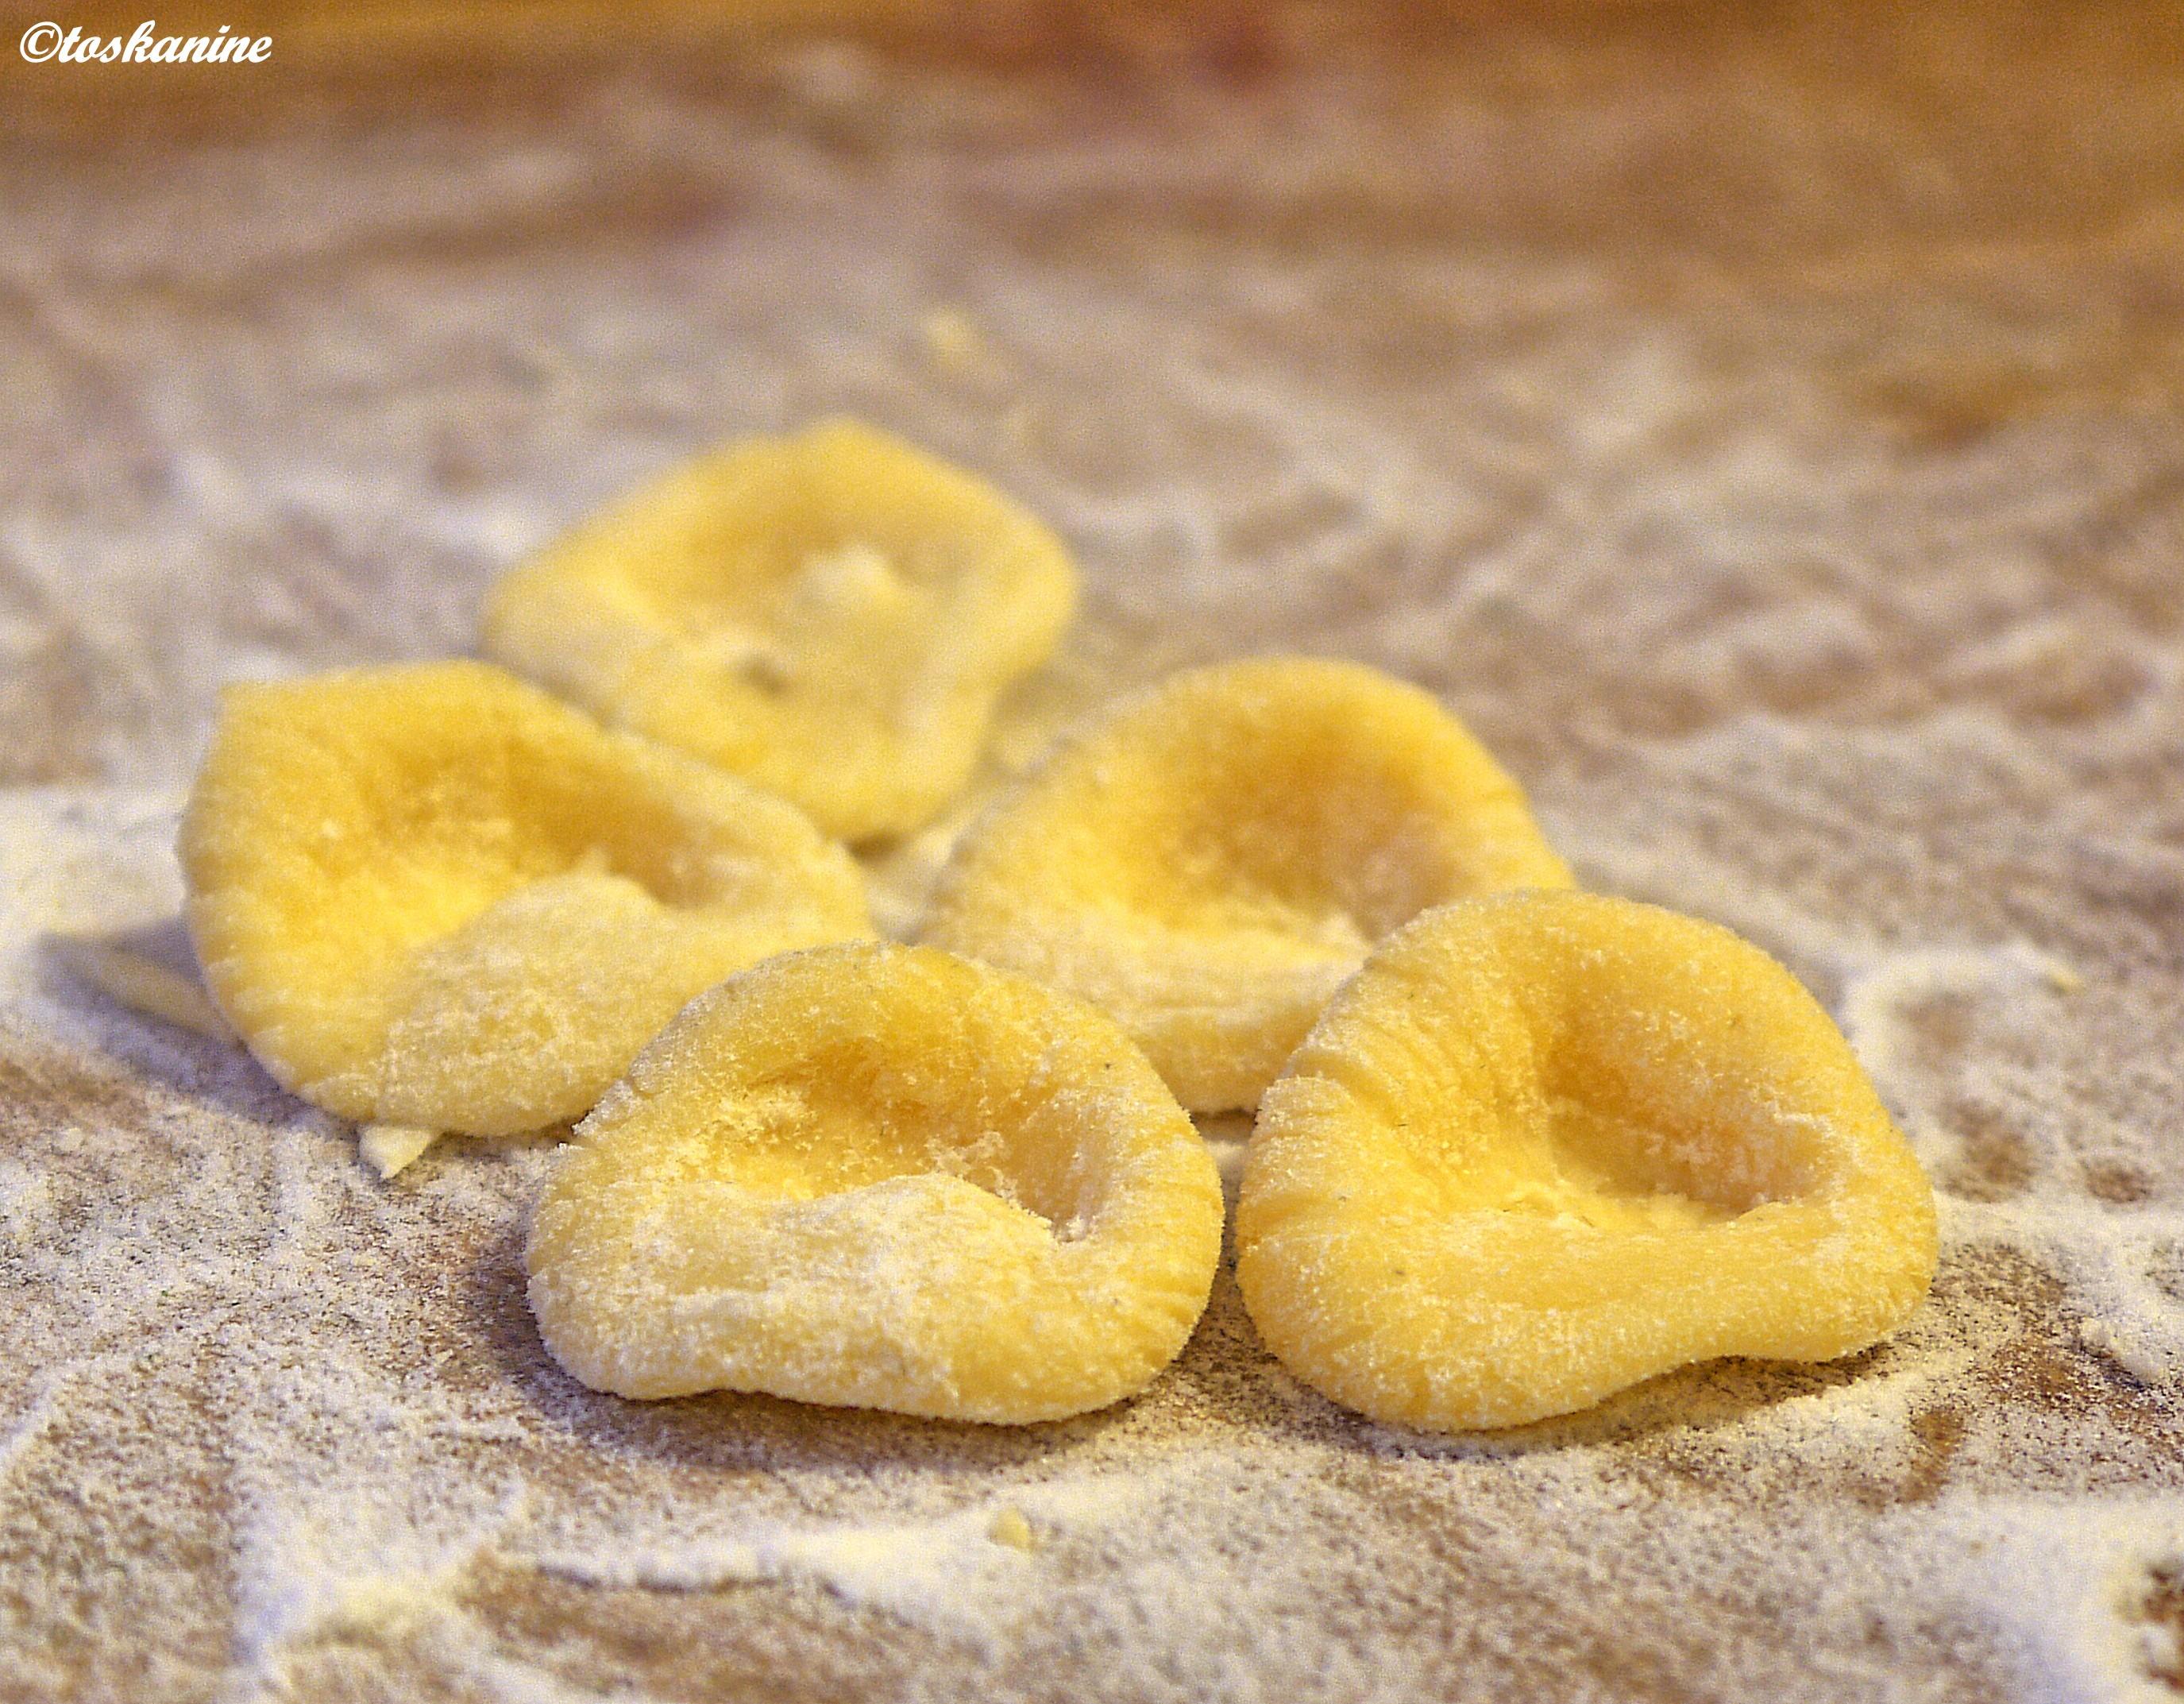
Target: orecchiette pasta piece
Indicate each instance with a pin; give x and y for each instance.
(831, 615)
(886, 1177)
(1546, 1145)
(1211, 860)
(435, 897)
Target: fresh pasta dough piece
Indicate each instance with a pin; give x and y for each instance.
(881, 1176)
(435, 897)
(392, 1148)
(1211, 860)
(832, 615)
(1546, 1145)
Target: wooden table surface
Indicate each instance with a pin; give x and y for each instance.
(1765, 423)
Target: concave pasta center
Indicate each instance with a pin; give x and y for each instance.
(844, 614)
(1604, 1169)
(1617, 1121)
(848, 1120)
(1294, 842)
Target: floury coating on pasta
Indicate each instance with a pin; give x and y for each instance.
(1547, 1145)
(1209, 861)
(433, 897)
(831, 614)
(886, 1177)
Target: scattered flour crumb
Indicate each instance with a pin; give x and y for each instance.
(2071, 1578)
(2160, 1649)
(2138, 1353)
(959, 1572)
(319, 1559)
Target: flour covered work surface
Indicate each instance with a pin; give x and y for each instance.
(1766, 433)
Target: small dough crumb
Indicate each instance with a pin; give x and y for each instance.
(388, 1148)
(2147, 1361)
(1010, 1528)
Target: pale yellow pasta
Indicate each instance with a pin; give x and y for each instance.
(435, 897)
(1546, 1145)
(831, 614)
(887, 1177)
(1209, 861)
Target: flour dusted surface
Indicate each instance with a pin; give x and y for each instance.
(1763, 434)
